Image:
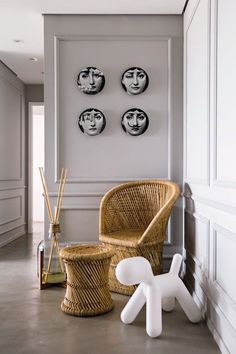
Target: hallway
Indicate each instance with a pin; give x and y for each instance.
(31, 320)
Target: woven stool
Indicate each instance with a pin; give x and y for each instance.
(87, 292)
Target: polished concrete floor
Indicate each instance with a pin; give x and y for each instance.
(31, 320)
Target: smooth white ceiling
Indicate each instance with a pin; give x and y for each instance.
(22, 19)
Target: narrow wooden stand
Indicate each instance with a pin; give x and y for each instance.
(45, 276)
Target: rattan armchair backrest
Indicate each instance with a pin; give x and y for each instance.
(141, 205)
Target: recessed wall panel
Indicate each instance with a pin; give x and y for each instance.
(197, 115)
(10, 209)
(10, 132)
(92, 157)
(79, 224)
(225, 262)
(196, 238)
(225, 105)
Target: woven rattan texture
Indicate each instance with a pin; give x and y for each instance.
(133, 222)
(87, 292)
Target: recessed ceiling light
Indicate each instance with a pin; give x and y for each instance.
(33, 59)
(18, 40)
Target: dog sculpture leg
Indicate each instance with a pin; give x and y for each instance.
(153, 310)
(168, 304)
(186, 302)
(134, 305)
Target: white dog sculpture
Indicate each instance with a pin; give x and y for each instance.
(157, 291)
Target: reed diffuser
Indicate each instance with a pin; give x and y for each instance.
(49, 277)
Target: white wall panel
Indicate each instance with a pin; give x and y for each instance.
(197, 88)
(197, 239)
(225, 144)
(210, 172)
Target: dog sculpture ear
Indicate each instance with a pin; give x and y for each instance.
(134, 270)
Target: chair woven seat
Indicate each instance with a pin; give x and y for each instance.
(133, 221)
(128, 238)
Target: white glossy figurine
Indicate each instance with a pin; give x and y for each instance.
(157, 291)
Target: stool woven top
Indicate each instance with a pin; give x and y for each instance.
(87, 292)
(85, 252)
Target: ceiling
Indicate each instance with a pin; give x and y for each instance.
(21, 26)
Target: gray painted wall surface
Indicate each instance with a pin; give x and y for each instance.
(34, 93)
(95, 164)
(12, 156)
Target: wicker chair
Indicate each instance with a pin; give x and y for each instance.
(133, 222)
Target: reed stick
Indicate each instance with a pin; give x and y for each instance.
(60, 197)
(50, 258)
(50, 215)
(58, 251)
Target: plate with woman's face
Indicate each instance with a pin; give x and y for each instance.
(92, 122)
(134, 80)
(135, 122)
(91, 80)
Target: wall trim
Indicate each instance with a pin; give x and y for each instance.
(12, 234)
(72, 195)
(212, 204)
(12, 188)
(79, 207)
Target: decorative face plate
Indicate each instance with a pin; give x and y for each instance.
(91, 80)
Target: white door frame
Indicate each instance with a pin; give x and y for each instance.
(30, 163)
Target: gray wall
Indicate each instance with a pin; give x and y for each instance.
(12, 156)
(34, 93)
(95, 164)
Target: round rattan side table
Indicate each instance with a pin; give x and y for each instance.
(87, 291)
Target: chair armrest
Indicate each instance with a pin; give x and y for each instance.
(156, 231)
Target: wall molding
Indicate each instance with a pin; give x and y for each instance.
(57, 40)
(212, 204)
(79, 207)
(72, 195)
(12, 234)
(12, 188)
